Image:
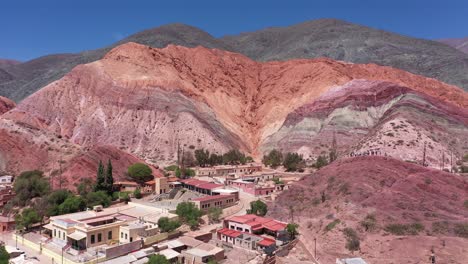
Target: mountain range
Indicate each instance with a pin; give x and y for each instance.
(460, 43)
(331, 38)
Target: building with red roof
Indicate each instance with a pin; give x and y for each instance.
(200, 186)
(246, 240)
(255, 224)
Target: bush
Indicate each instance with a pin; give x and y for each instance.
(258, 208)
(214, 214)
(171, 168)
(464, 169)
(321, 162)
(187, 212)
(441, 227)
(369, 223)
(157, 259)
(98, 198)
(352, 239)
(461, 230)
(404, 229)
(332, 225)
(273, 159)
(166, 225)
(4, 256)
(72, 204)
(293, 162)
(292, 230)
(466, 204)
(27, 218)
(137, 194)
(30, 184)
(140, 172)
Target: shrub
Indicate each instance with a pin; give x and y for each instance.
(292, 230)
(273, 159)
(30, 184)
(137, 194)
(293, 162)
(4, 256)
(352, 239)
(258, 208)
(98, 198)
(167, 225)
(157, 259)
(321, 162)
(464, 169)
(461, 230)
(369, 223)
(466, 204)
(27, 218)
(140, 172)
(187, 212)
(214, 214)
(404, 229)
(440, 227)
(332, 225)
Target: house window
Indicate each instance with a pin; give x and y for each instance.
(93, 239)
(109, 235)
(63, 235)
(126, 236)
(55, 232)
(121, 234)
(131, 239)
(99, 237)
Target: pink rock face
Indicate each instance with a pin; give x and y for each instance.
(6, 105)
(394, 192)
(145, 102)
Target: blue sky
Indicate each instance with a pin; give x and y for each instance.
(38, 27)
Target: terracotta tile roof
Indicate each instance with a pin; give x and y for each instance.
(266, 242)
(202, 184)
(150, 182)
(229, 232)
(258, 222)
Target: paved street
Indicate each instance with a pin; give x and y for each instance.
(8, 239)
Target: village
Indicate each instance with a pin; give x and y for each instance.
(215, 216)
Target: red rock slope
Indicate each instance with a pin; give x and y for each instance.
(395, 192)
(6, 105)
(145, 101)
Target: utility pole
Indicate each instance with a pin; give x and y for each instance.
(60, 169)
(315, 248)
(451, 161)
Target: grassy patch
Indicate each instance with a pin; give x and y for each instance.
(352, 239)
(369, 223)
(332, 225)
(442, 227)
(404, 229)
(461, 230)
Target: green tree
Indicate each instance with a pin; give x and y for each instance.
(214, 214)
(184, 173)
(158, 259)
(258, 208)
(29, 185)
(273, 159)
(234, 157)
(4, 256)
(215, 159)
(109, 178)
(85, 186)
(55, 199)
(100, 178)
(202, 156)
(321, 162)
(98, 198)
(293, 162)
(292, 230)
(27, 218)
(352, 239)
(188, 213)
(167, 225)
(140, 172)
(137, 194)
(71, 205)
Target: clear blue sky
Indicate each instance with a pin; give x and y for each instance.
(38, 27)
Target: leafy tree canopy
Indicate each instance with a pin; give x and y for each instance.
(167, 225)
(30, 184)
(258, 208)
(26, 219)
(98, 198)
(4, 256)
(140, 172)
(187, 211)
(158, 259)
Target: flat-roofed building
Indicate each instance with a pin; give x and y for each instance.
(225, 170)
(6, 180)
(202, 254)
(219, 201)
(126, 186)
(200, 186)
(254, 224)
(251, 187)
(105, 226)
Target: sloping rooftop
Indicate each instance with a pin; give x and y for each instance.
(214, 197)
(257, 222)
(202, 184)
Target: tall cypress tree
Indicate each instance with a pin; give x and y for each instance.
(109, 178)
(100, 179)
